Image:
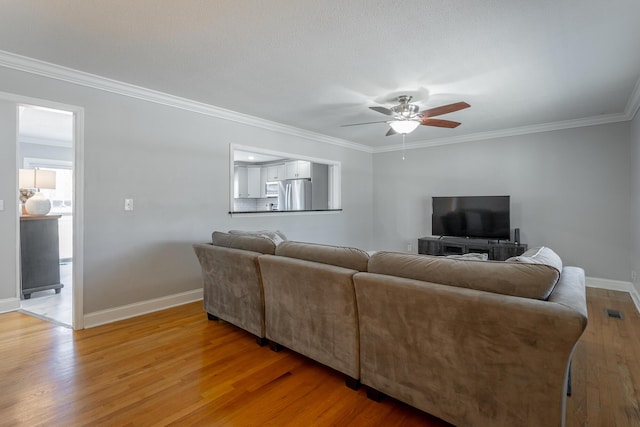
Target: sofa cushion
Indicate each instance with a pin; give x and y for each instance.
(276, 236)
(247, 243)
(341, 256)
(508, 278)
(540, 255)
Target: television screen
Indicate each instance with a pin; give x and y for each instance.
(471, 216)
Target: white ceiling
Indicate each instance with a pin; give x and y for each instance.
(38, 125)
(317, 65)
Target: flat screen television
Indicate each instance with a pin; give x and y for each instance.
(483, 217)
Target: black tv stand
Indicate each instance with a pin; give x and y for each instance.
(496, 250)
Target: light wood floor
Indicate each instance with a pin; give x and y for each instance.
(177, 368)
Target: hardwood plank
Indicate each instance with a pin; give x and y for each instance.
(606, 374)
(175, 367)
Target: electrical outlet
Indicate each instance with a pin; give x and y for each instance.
(634, 276)
(128, 204)
(409, 247)
(1, 205)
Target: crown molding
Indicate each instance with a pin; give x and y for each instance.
(58, 72)
(634, 102)
(523, 130)
(632, 107)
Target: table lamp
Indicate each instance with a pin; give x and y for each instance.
(29, 179)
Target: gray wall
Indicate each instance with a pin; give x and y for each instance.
(174, 164)
(9, 194)
(635, 198)
(42, 151)
(569, 190)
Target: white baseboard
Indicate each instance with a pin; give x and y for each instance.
(9, 304)
(103, 317)
(615, 285)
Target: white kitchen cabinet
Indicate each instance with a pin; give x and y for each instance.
(240, 182)
(297, 169)
(275, 172)
(263, 182)
(246, 182)
(253, 182)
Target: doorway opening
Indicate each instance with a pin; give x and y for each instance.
(46, 142)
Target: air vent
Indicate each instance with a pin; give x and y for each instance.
(616, 314)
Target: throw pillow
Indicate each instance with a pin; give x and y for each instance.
(540, 255)
(276, 236)
(471, 255)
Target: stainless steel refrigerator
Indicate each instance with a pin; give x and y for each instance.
(294, 195)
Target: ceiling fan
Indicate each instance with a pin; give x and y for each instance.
(406, 117)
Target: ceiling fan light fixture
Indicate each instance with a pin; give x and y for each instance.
(404, 126)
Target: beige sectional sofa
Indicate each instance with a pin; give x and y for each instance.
(477, 343)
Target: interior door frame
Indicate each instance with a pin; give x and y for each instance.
(77, 318)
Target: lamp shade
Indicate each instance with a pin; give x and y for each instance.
(404, 126)
(36, 178)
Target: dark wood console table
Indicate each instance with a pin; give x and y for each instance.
(40, 254)
(498, 250)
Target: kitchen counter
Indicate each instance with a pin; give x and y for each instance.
(276, 212)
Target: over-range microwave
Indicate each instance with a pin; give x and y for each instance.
(271, 189)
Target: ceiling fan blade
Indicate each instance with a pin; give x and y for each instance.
(365, 123)
(382, 110)
(444, 109)
(439, 123)
(391, 132)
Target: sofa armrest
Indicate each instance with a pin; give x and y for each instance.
(232, 286)
(570, 291)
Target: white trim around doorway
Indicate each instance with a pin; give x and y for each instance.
(78, 202)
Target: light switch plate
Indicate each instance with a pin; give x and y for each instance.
(128, 204)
